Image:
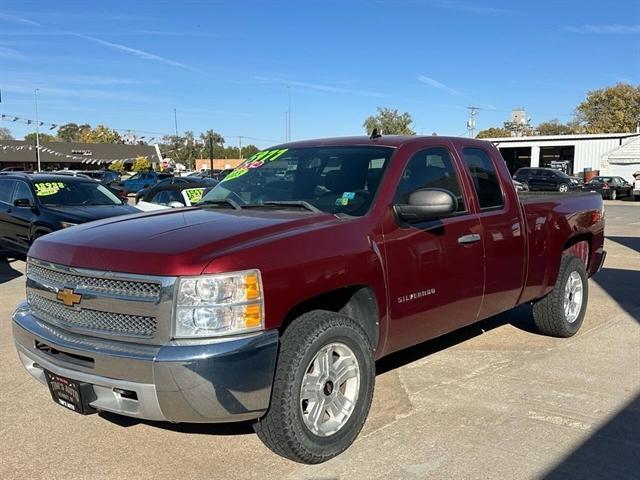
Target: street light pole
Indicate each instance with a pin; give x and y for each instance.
(35, 98)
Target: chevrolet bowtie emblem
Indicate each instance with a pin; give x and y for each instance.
(68, 297)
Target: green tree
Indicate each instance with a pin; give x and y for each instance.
(210, 141)
(5, 134)
(44, 137)
(554, 127)
(247, 151)
(101, 134)
(610, 110)
(389, 122)
(72, 132)
(494, 132)
(141, 164)
(117, 166)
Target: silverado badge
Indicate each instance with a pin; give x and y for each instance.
(68, 297)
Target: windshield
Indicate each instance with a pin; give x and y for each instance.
(331, 179)
(67, 194)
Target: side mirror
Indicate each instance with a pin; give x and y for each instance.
(427, 204)
(23, 203)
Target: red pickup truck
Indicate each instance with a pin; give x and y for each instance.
(271, 300)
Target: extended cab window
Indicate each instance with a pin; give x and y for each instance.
(484, 176)
(430, 168)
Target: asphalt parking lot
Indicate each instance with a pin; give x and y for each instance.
(495, 400)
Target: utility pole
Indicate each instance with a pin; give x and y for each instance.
(211, 155)
(471, 122)
(240, 145)
(175, 121)
(35, 98)
(289, 115)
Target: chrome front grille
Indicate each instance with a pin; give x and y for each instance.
(93, 320)
(108, 286)
(135, 308)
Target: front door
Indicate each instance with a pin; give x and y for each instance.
(435, 268)
(23, 217)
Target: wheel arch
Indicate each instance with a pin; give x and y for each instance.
(357, 302)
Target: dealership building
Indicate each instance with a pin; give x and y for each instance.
(71, 155)
(615, 154)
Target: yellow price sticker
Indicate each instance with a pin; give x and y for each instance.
(256, 160)
(44, 189)
(194, 194)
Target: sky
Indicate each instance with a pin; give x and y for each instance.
(231, 66)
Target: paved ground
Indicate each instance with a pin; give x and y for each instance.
(495, 400)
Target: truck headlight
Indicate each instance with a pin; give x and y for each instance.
(221, 304)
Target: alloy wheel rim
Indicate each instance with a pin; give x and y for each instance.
(329, 389)
(573, 294)
(563, 188)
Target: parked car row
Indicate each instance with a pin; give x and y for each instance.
(552, 180)
(32, 205)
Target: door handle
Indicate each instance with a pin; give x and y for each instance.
(471, 238)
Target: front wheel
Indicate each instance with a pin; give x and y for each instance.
(322, 389)
(614, 195)
(561, 312)
(563, 188)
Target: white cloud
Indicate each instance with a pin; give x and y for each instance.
(6, 52)
(615, 29)
(319, 87)
(137, 53)
(436, 84)
(19, 20)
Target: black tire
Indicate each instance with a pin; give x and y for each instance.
(549, 312)
(636, 198)
(283, 428)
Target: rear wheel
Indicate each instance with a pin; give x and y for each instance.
(322, 389)
(614, 194)
(561, 312)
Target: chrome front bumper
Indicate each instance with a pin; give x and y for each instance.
(221, 380)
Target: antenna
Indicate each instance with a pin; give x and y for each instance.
(375, 134)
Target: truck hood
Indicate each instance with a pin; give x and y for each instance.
(174, 242)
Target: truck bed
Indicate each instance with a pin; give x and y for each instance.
(537, 197)
(550, 219)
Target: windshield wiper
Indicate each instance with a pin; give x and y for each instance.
(287, 203)
(221, 203)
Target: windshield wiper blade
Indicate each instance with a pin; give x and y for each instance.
(221, 203)
(287, 203)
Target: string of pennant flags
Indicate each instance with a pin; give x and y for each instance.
(68, 157)
(52, 126)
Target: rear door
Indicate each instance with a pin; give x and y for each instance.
(536, 180)
(502, 230)
(435, 268)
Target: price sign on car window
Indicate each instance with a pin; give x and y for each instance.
(44, 189)
(194, 195)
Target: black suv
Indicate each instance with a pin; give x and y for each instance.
(545, 179)
(32, 205)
